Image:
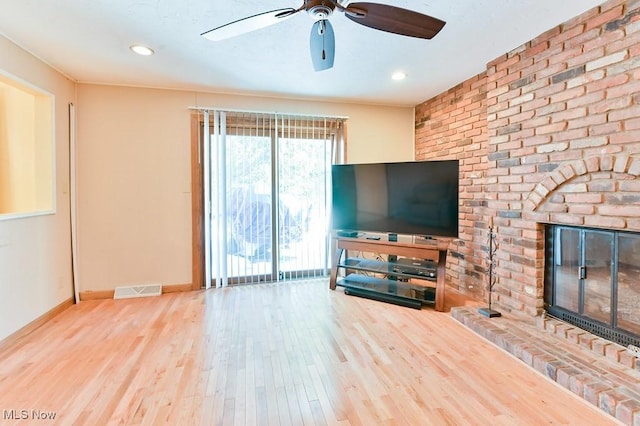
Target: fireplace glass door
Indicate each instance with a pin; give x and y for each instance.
(628, 312)
(567, 261)
(597, 275)
(591, 280)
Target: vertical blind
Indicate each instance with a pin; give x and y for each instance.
(268, 182)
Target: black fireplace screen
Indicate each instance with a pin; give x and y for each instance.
(592, 280)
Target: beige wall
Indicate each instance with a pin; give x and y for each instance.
(35, 271)
(134, 212)
(376, 133)
(134, 200)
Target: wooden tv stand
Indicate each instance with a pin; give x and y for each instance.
(434, 250)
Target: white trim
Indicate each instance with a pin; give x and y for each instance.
(23, 215)
(73, 202)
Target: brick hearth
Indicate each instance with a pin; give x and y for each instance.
(601, 372)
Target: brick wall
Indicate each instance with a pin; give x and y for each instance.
(451, 126)
(562, 146)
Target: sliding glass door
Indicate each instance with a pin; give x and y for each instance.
(249, 193)
(268, 196)
(303, 170)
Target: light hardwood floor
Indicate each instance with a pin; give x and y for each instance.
(292, 353)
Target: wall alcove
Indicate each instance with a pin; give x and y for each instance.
(26, 149)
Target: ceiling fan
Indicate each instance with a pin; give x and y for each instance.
(378, 16)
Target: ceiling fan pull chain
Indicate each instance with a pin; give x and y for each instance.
(321, 29)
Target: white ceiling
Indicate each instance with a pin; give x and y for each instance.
(88, 40)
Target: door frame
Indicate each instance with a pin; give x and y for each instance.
(197, 207)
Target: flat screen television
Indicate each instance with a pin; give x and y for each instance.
(415, 198)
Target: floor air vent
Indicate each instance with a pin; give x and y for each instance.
(137, 291)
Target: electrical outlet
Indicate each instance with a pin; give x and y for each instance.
(634, 350)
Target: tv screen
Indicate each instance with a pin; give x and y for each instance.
(415, 198)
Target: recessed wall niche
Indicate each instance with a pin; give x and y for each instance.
(27, 178)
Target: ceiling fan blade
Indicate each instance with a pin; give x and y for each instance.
(249, 24)
(394, 19)
(323, 45)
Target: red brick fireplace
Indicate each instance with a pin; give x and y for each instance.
(550, 133)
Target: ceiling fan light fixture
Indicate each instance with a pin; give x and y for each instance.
(320, 11)
(399, 75)
(322, 45)
(142, 50)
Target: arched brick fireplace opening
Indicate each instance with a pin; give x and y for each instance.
(591, 272)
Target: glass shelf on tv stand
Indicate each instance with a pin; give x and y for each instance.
(424, 270)
(395, 287)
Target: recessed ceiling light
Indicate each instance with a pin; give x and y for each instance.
(399, 75)
(142, 50)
